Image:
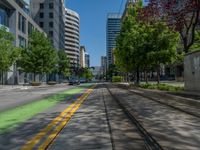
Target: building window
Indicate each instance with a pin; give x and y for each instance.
(41, 6)
(41, 24)
(51, 33)
(51, 24)
(50, 5)
(3, 17)
(50, 15)
(22, 23)
(41, 15)
(30, 28)
(22, 42)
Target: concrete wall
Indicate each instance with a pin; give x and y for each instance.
(192, 71)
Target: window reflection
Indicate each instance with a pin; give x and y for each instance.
(3, 17)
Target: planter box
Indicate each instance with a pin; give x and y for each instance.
(51, 83)
(36, 83)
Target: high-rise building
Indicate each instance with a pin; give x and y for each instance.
(72, 40)
(82, 56)
(15, 17)
(87, 60)
(49, 15)
(103, 65)
(113, 29)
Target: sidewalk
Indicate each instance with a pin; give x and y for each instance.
(184, 94)
(13, 87)
(26, 87)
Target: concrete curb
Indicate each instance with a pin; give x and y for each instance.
(166, 94)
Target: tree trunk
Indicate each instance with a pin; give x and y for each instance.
(158, 74)
(146, 76)
(185, 45)
(128, 78)
(34, 76)
(137, 76)
(2, 77)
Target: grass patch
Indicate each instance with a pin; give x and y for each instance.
(162, 87)
(117, 79)
(11, 118)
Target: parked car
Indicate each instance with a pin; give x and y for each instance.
(74, 81)
(83, 80)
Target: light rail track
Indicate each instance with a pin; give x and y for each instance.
(163, 103)
(150, 142)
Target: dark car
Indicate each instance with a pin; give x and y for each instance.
(83, 80)
(74, 81)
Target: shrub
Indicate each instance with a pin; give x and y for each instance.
(65, 81)
(51, 83)
(35, 83)
(162, 87)
(117, 79)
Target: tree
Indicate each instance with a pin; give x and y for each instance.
(112, 71)
(85, 73)
(163, 43)
(39, 57)
(144, 42)
(196, 45)
(128, 42)
(181, 15)
(88, 74)
(8, 52)
(63, 63)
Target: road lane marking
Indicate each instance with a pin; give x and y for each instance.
(36, 139)
(59, 128)
(30, 144)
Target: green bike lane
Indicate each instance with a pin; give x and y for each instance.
(20, 124)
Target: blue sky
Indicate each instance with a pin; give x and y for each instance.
(93, 14)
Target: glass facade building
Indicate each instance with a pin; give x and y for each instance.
(3, 17)
(87, 60)
(113, 29)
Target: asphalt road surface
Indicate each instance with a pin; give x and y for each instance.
(93, 119)
(15, 97)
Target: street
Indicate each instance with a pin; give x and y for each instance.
(99, 75)
(14, 97)
(105, 116)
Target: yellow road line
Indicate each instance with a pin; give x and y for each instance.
(36, 139)
(57, 130)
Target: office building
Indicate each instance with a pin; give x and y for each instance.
(72, 40)
(49, 15)
(103, 65)
(82, 56)
(113, 29)
(87, 60)
(14, 15)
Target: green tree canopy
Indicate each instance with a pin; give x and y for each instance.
(196, 45)
(164, 43)
(112, 71)
(8, 52)
(40, 56)
(63, 63)
(142, 44)
(85, 73)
